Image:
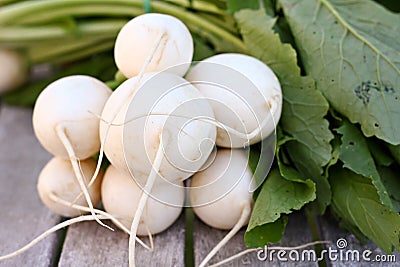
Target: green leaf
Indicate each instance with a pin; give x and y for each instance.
(323, 190)
(335, 155)
(390, 179)
(236, 5)
(201, 49)
(351, 49)
(278, 196)
(355, 155)
(266, 233)
(354, 198)
(304, 107)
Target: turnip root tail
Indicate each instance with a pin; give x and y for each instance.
(50, 231)
(242, 221)
(75, 165)
(244, 252)
(145, 195)
(59, 200)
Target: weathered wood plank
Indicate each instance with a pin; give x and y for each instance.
(89, 244)
(349, 246)
(205, 238)
(23, 216)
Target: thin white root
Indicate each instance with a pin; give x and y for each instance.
(75, 165)
(212, 121)
(61, 201)
(246, 251)
(110, 123)
(150, 238)
(50, 231)
(143, 200)
(301, 246)
(242, 221)
(238, 255)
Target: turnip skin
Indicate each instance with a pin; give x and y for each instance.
(72, 103)
(219, 193)
(58, 177)
(156, 133)
(137, 38)
(162, 105)
(120, 196)
(245, 95)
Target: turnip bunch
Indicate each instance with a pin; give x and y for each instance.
(157, 129)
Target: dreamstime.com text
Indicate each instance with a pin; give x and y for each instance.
(331, 254)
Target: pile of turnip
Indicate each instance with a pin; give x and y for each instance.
(171, 124)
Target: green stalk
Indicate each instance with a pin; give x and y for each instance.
(7, 2)
(220, 23)
(199, 6)
(82, 11)
(83, 53)
(104, 28)
(35, 10)
(199, 23)
(44, 53)
(38, 9)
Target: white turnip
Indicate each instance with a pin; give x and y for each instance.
(244, 93)
(120, 196)
(163, 36)
(221, 194)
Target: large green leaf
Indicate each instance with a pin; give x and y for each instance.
(351, 49)
(304, 107)
(354, 199)
(355, 155)
(278, 196)
(236, 5)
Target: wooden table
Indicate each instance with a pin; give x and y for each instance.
(23, 217)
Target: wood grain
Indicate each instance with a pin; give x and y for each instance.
(89, 244)
(205, 238)
(23, 216)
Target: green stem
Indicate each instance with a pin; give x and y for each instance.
(72, 56)
(35, 10)
(220, 23)
(201, 6)
(82, 11)
(315, 233)
(53, 50)
(30, 9)
(103, 28)
(199, 24)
